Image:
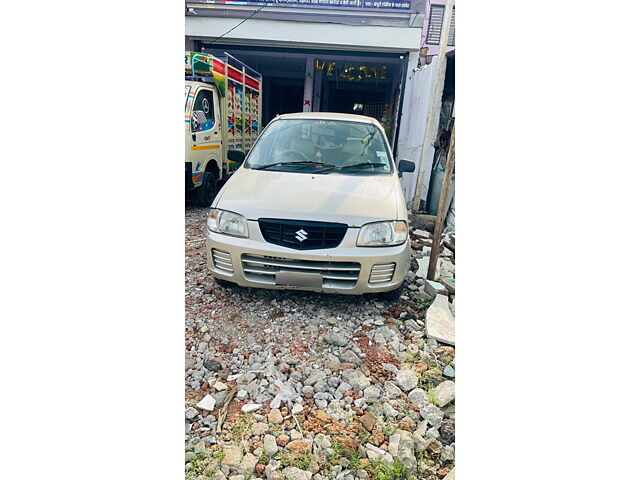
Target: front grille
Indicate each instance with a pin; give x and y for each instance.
(382, 273)
(261, 269)
(222, 260)
(302, 235)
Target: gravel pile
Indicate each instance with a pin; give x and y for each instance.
(293, 385)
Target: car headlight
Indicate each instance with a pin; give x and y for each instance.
(229, 223)
(383, 234)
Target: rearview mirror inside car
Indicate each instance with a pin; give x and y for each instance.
(236, 156)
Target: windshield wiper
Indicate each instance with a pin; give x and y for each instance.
(364, 164)
(309, 162)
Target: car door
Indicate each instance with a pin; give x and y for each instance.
(205, 132)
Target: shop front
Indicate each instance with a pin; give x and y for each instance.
(320, 58)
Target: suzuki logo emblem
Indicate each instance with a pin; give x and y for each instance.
(301, 235)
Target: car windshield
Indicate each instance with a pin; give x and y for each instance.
(321, 146)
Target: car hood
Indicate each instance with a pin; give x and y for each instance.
(351, 199)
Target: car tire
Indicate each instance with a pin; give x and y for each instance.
(207, 192)
(392, 295)
(225, 283)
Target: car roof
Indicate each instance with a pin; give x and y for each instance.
(349, 117)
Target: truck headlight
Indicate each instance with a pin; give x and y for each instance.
(229, 223)
(383, 234)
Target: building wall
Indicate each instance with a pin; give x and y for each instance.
(414, 119)
(433, 49)
(280, 33)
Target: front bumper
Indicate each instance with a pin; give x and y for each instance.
(346, 269)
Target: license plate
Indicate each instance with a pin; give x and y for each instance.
(296, 279)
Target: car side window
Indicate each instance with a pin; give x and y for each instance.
(203, 117)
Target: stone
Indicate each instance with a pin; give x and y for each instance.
(258, 429)
(232, 455)
(199, 448)
(371, 393)
(418, 396)
(299, 446)
(444, 393)
(282, 440)
(368, 421)
(251, 407)
(297, 408)
(448, 431)
(336, 339)
(445, 354)
(423, 267)
(448, 454)
(219, 386)
(314, 378)
(449, 371)
(322, 416)
(406, 379)
(432, 415)
(294, 473)
(432, 288)
(389, 411)
(401, 448)
(270, 445)
(209, 421)
(275, 416)
(208, 403)
(212, 365)
(350, 357)
(242, 395)
(248, 464)
(356, 379)
(451, 475)
(392, 390)
(190, 413)
(333, 366)
(440, 324)
(246, 378)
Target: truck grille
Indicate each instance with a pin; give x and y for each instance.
(382, 273)
(302, 235)
(222, 260)
(257, 268)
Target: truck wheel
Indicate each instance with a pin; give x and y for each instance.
(208, 190)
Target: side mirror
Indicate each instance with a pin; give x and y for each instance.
(406, 166)
(236, 156)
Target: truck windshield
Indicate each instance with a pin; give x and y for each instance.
(321, 146)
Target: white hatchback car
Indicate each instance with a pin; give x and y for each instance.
(316, 205)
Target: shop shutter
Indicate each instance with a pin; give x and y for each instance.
(434, 30)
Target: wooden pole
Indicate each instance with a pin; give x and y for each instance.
(444, 191)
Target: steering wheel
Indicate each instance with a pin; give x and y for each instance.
(294, 152)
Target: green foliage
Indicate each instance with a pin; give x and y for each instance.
(423, 304)
(201, 464)
(298, 460)
(339, 451)
(382, 471)
(242, 428)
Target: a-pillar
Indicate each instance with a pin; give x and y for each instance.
(307, 98)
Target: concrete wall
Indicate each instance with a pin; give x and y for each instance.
(433, 49)
(414, 119)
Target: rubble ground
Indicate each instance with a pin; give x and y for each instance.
(290, 385)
